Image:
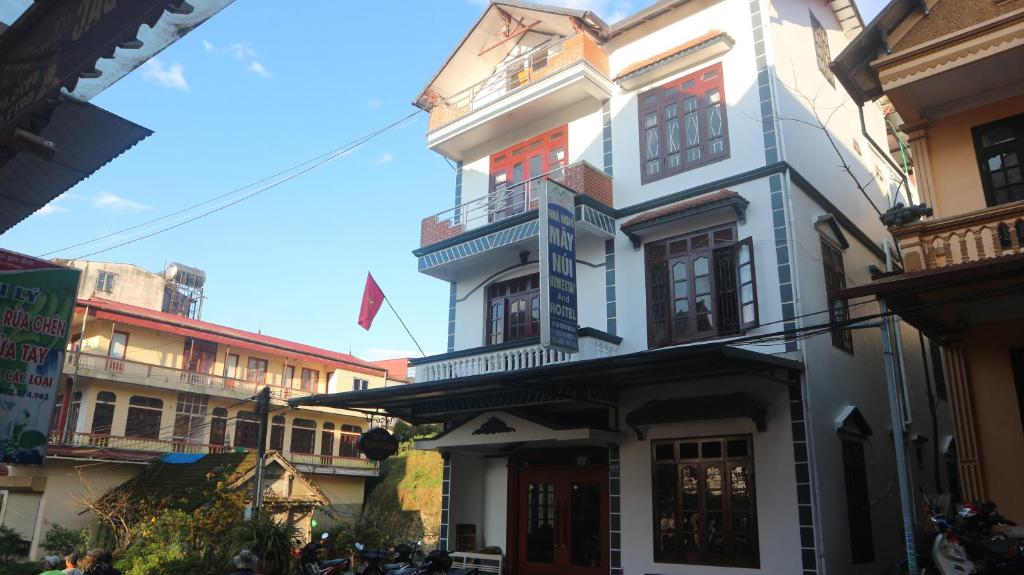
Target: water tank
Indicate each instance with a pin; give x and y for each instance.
(185, 275)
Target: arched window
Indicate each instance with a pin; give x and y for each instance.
(303, 435)
(144, 414)
(103, 413)
(277, 433)
(247, 430)
(327, 441)
(219, 426)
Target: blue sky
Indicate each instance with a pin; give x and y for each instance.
(255, 90)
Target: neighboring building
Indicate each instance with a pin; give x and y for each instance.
(954, 70)
(399, 370)
(140, 383)
(720, 412)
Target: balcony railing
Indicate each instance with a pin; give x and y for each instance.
(972, 237)
(112, 444)
(488, 359)
(149, 374)
(543, 61)
(580, 177)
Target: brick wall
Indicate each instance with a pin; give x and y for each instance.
(583, 178)
(432, 230)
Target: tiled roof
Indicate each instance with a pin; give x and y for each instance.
(671, 52)
(682, 206)
(186, 486)
(398, 368)
(172, 320)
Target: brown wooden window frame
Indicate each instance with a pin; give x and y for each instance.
(835, 280)
(667, 110)
(858, 501)
(309, 379)
(218, 426)
(102, 412)
(822, 52)
(718, 276)
(303, 438)
(145, 415)
(674, 500)
(256, 370)
(1014, 147)
(247, 430)
(521, 293)
(277, 425)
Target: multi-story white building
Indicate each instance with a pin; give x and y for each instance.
(720, 413)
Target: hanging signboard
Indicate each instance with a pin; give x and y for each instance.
(377, 444)
(559, 325)
(37, 302)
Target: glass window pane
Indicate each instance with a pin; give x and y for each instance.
(713, 485)
(688, 450)
(711, 449)
(700, 265)
(663, 452)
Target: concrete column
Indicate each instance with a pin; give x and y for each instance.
(972, 480)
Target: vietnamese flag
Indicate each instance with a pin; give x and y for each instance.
(373, 298)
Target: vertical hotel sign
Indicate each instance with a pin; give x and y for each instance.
(37, 300)
(559, 327)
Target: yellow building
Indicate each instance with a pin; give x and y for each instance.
(953, 71)
(140, 383)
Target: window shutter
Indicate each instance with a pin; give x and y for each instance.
(20, 513)
(736, 287)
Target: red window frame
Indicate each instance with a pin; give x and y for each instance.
(256, 370)
(542, 154)
(666, 111)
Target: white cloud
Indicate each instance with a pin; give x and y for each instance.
(241, 50)
(209, 46)
(374, 102)
(50, 209)
(173, 77)
(384, 158)
(257, 68)
(115, 203)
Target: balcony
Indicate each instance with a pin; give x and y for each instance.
(470, 234)
(973, 237)
(511, 356)
(126, 371)
(550, 77)
(85, 445)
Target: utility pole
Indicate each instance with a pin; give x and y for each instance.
(262, 413)
(899, 439)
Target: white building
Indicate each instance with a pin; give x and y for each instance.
(712, 419)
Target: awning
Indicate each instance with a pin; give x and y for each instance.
(594, 382)
(85, 136)
(700, 408)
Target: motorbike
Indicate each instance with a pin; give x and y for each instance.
(436, 562)
(970, 543)
(311, 564)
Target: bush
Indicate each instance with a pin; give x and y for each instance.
(271, 540)
(20, 568)
(11, 543)
(62, 541)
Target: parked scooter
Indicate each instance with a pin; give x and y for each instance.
(972, 543)
(436, 562)
(310, 563)
(372, 560)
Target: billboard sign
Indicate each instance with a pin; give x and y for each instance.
(37, 302)
(559, 325)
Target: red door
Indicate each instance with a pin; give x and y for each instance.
(512, 192)
(563, 522)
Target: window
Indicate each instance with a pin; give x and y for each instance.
(247, 430)
(1000, 147)
(835, 280)
(103, 412)
(858, 504)
(310, 378)
(513, 309)
(277, 433)
(821, 50)
(118, 345)
(58, 406)
(190, 417)
(219, 426)
(288, 376)
(704, 501)
(232, 366)
(525, 162)
(349, 435)
(700, 285)
(256, 372)
(1017, 367)
(327, 441)
(105, 281)
(144, 415)
(683, 125)
(71, 426)
(303, 435)
(360, 384)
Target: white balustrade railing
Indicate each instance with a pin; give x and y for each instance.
(510, 359)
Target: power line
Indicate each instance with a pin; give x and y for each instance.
(301, 168)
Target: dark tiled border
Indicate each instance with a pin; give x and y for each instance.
(609, 286)
(451, 316)
(805, 503)
(614, 511)
(606, 135)
(446, 493)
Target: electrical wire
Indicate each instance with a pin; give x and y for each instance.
(299, 170)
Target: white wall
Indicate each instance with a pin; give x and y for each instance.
(495, 508)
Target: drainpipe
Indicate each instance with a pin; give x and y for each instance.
(884, 153)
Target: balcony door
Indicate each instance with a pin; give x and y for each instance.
(512, 191)
(563, 521)
(200, 357)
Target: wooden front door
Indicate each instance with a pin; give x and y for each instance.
(563, 521)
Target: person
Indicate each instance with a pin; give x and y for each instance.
(244, 563)
(51, 565)
(99, 562)
(71, 565)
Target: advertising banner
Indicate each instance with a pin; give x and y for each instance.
(37, 302)
(559, 325)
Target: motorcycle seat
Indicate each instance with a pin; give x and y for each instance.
(332, 562)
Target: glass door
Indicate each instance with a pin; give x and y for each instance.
(563, 527)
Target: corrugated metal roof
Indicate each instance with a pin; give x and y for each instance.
(86, 138)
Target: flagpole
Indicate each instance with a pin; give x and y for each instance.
(405, 326)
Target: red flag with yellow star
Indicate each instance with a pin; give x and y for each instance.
(373, 298)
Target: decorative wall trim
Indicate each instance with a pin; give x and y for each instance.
(606, 135)
(614, 511)
(451, 315)
(446, 498)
